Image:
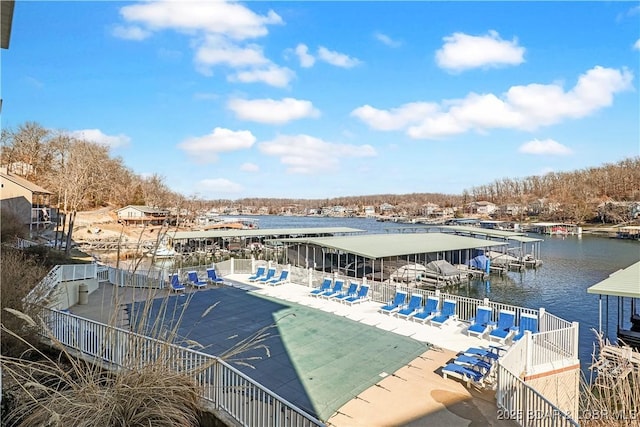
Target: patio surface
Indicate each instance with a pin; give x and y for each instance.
(349, 366)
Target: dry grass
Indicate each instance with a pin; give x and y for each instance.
(611, 397)
(62, 390)
(72, 392)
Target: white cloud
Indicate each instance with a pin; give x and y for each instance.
(249, 167)
(462, 52)
(305, 154)
(336, 58)
(218, 32)
(395, 118)
(521, 107)
(97, 136)
(216, 50)
(273, 75)
(636, 45)
(130, 32)
(272, 111)
(213, 187)
(205, 149)
(547, 146)
(230, 19)
(306, 59)
(385, 39)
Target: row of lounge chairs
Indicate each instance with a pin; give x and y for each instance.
(268, 276)
(193, 280)
(475, 366)
(480, 326)
(430, 312)
(334, 290)
(505, 328)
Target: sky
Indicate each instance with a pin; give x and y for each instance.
(315, 100)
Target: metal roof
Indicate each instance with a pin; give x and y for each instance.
(6, 19)
(261, 232)
(622, 283)
(387, 245)
(502, 234)
(34, 188)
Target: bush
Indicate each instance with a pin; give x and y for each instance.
(18, 275)
(11, 226)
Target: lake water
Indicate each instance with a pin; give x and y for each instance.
(570, 265)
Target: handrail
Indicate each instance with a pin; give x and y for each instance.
(228, 389)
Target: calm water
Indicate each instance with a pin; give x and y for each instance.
(570, 266)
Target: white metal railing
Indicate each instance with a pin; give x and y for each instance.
(102, 273)
(554, 346)
(71, 272)
(221, 384)
(24, 243)
(520, 403)
(154, 279)
(46, 286)
(549, 322)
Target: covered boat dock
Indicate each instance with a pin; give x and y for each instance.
(211, 240)
(625, 286)
(376, 256)
(525, 249)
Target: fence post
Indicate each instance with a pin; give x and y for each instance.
(253, 264)
(232, 266)
(528, 351)
(574, 347)
(541, 313)
(310, 277)
(485, 301)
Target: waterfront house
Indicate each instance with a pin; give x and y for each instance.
(29, 201)
(142, 215)
(482, 207)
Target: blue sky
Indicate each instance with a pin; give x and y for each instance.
(325, 99)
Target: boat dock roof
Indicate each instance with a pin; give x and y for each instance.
(622, 283)
(501, 234)
(262, 232)
(376, 246)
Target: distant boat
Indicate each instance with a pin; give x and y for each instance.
(231, 224)
(162, 252)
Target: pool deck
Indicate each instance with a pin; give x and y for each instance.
(415, 394)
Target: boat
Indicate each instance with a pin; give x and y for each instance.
(162, 252)
(218, 223)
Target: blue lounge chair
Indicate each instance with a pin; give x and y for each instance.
(336, 290)
(259, 273)
(464, 373)
(351, 292)
(447, 313)
(474, 363)
(176, 286)
(481, 323)
(429, 310)
(324, 286)
(528, 322)
(408, 310)
(489, 355)
(270, 273)
(394, 305)
(195, 281)
(506, 326)
(361, 296)
(213, 276)
(284, 274)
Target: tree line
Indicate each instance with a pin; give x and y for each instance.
(84, 175)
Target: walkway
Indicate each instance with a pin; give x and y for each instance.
(384, 373)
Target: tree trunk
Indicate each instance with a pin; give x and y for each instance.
(72, 219)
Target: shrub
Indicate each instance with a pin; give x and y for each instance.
(11, 226)
(18, 275)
